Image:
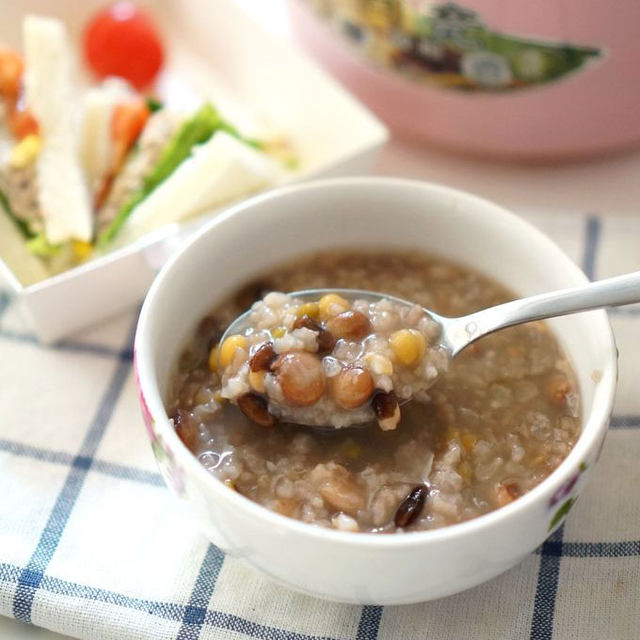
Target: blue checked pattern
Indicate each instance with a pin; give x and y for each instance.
(92, 544)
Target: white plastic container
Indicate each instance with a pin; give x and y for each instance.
(217, 52)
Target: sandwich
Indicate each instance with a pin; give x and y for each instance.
(77, 184)
(42, 184)
(180, 166)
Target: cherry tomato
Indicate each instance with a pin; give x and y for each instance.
(121, 40)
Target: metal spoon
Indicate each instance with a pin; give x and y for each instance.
(458, 333)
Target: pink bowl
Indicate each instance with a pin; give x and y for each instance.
(588, 110)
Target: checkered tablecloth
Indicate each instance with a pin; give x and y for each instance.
(94, 546)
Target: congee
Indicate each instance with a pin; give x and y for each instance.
(476, 433)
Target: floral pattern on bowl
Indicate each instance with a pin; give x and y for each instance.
(169, 467)
(567, 496)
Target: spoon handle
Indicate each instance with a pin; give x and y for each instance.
(611, 292)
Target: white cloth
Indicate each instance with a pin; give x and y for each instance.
(94, 546)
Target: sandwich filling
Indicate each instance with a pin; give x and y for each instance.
(130, 166)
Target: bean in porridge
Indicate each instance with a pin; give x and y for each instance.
(329, 361)
(494, 424)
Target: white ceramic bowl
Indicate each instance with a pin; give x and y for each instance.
(368, 212)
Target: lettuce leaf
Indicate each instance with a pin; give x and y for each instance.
(198, 129)
(21, 224)
(41, 247)
(153, 104)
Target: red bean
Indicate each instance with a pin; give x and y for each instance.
(306, 322)
(186, 429)
(411, 506)
(352, 387)
(387, 410)
(263, 357)
(351, 325)
(255, 408)
(326, 340)
(301, 378)
(384, 404)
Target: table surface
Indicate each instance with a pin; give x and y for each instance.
(609, 186)
(606, 186)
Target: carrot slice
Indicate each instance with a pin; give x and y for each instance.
(11, 68)
(127, 122)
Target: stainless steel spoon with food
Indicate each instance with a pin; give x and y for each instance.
(458, 333)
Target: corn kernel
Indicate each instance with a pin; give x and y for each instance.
(310, 309)
(213, 358)
(379, 364)
(278, 332)
(331, 305)
(230, 483)
(81, 250)
(408, 346)
(256, 380)
(219, 398)
(25, 152)
(228, 349)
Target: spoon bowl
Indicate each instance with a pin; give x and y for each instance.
(458, 333)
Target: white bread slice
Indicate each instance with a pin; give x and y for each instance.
(63, 195)
(19, 262)
(218, 171)
(96, 145)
